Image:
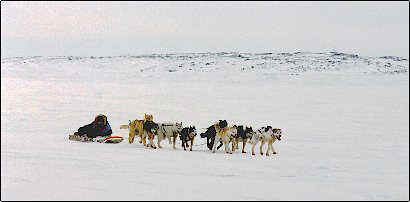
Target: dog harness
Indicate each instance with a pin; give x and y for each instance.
(222, 132)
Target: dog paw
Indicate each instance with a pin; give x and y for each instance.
(262, 154)
(267, 154)
(253, 154)
(190, 150)
(274, 153)
(243, 152)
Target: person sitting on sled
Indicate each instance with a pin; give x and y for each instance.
(99, 127)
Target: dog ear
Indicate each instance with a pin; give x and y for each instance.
(266, 129)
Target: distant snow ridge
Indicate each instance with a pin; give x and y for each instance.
(291, 63)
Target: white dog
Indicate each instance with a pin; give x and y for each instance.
(266, 134)
(168, 130)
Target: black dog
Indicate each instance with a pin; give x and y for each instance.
(187, 134)
(244, 135)
(151, 128)
(211, 133)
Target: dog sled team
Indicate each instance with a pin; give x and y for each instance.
(217, 135)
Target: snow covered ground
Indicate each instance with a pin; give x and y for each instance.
(345, 120)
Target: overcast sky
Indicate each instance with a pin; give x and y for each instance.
(133, 28)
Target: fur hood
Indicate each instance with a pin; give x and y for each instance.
(99, 116)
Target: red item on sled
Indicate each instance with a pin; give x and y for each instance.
(113, 139)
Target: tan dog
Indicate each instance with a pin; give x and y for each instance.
(227, 136)
(136, 128)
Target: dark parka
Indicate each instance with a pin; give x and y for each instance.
(99, 127)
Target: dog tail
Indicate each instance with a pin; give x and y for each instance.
(124, 126)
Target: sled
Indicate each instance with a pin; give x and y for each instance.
(108, 140)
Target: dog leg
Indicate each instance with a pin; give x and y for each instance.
(233, 145)
(152, 141)
(243, 146)
(159, 141)
(149, 140)
(183, 143)
(131, 137)
(174, 141)
(226, 147)
(140, 134)
(144, 141)
(273, 150)
(237, 144)
(209, 143)
(261, 147)
(220, 144)
(192, 143)
(226, 142)
(215, 143)
(253, 148)
(269, 147)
